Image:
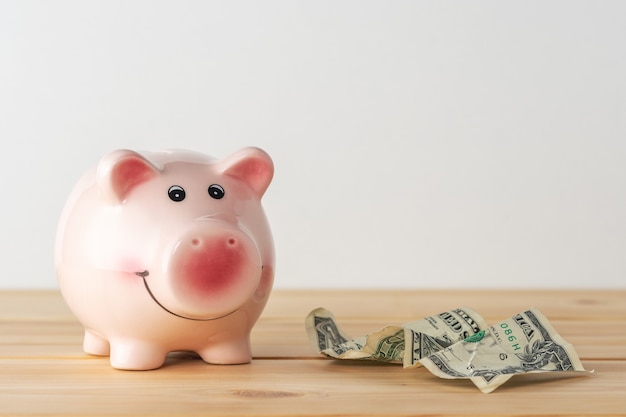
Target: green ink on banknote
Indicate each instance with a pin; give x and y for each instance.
(475, 338)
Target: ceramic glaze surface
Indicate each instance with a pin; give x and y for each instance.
(165, 251)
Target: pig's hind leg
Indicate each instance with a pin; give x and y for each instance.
(230, 351)
(94, 344)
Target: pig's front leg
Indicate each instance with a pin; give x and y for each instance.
(136, 355)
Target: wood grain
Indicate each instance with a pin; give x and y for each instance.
(43, 370)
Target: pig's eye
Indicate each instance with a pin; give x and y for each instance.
(216, 191)
(176, 193)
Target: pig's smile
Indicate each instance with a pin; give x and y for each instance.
(145, 273)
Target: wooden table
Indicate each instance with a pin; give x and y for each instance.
(43, 370)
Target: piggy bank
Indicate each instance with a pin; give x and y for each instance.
(167, 251)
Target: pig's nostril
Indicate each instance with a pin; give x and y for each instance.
(231, 241)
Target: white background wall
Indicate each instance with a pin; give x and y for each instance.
(417, 144)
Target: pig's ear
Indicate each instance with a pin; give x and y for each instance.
(121, 171)
(252, 166)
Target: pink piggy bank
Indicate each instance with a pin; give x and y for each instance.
(168, 251)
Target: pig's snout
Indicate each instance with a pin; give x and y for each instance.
(211, 264)
(214, 272)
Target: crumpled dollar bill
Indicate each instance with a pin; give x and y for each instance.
(424, 336)
(454, 344)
